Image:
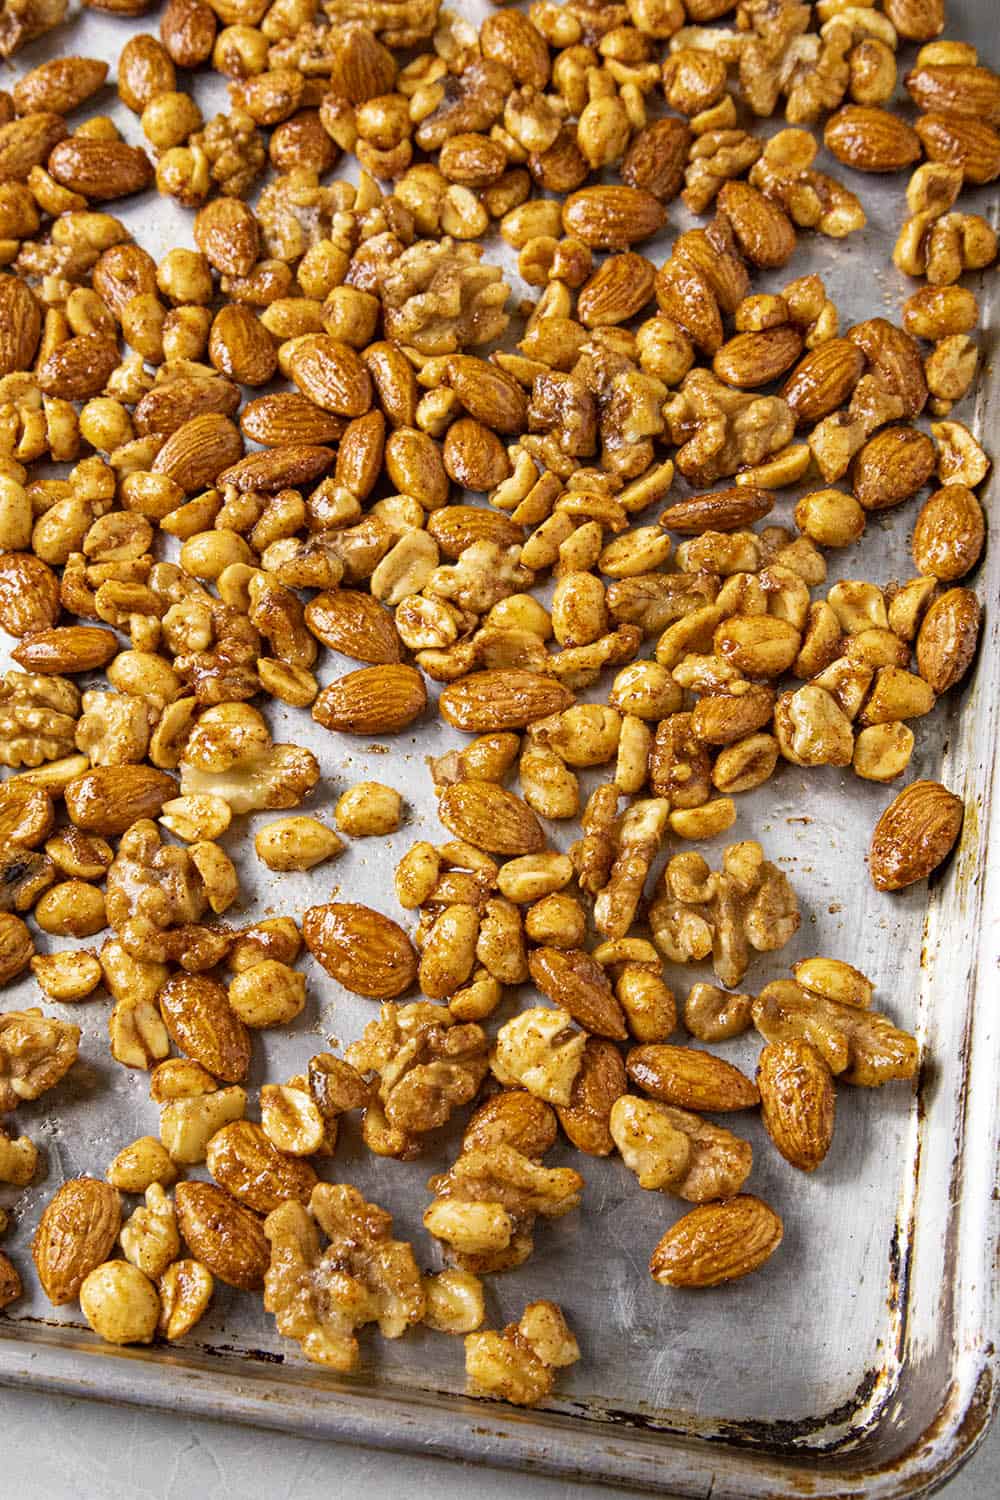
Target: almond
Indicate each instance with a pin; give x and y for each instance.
(10, 1282)
(203, 1025)
(61, 85)
(199, 450)
(79, 368)
(948, 638)
(823, 380)
(684, 293)
(29, 594)
(914, 834)
(574, 981)
(241, 347)
(617, 291)
(20, 325)
(690, 1078)
(26, 143)
(506, 698)
(508, 37)
(171, 403)
(108, 799)
(916, 20)
(455, 527)
(896, 358)
(76, 1232)
(360, 454)
(332, 376)
(100, 170)
(222, 1234)
(491, 818)
(474, 456)
(612, 217)
(488, 394)
(287, 417)
(226, 231)
(956, 89)
(244, 1162)
(600, 1081)
(725, 510)
(797, 1101)
(871, 139)
(66, 649)
(373, 700)
(717, 1242)
(356, 625)
(512, 1118)
(656, 158)
(892, 466)
(763, 231)
(970, 144)
(278, 468)
(364, 950)
(949, 534)
(364, 69)
(394, 380)
(756, 358)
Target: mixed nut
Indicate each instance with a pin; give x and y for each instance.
(262, 444)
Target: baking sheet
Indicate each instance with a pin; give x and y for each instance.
(862, 1354)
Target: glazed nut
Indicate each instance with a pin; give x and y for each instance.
(267, 994)
(368, 810)
(149, 1238)
(18, 1159)
(198, 817)
(137, 1166)
(291, 1119)
(455, 1302)
(533, 876)
(297, 843)
(185, 1291)
(120, 1303)
(188, 1123)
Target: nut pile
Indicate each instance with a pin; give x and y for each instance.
(264, 442)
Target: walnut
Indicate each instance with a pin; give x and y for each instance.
(217, 648)
(562, 405)
(519, 1363)
(629, 401)
(720, 430)
(319, 1297)
(539, 1051)
(814, 200)
(672, 1150)
(235, 151)
(37, 718)
(638, 840)
(36, 1051)
(837, 438)
(441, 297)
(230, 753)
(716, 157)
(594, 854)
(22, 21)
(774, 49)
(748, 904)
(400, 23)
(296, 211)
(114, 728)
(861, 1046)
(152, 884)
(470, 101)
(815, 74)
(484, 574)
(427, 1066)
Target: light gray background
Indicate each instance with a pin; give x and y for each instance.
(55, 1449)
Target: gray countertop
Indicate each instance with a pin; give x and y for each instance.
(57, 1449)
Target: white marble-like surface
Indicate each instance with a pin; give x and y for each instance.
(56, 1449)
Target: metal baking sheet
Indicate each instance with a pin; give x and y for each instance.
(860, 1361)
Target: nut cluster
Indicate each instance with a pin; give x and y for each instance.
(323, 432)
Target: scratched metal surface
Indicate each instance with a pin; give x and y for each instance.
(863, 1348)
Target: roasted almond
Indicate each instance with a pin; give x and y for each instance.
(488, 393)
(240, 346)
(512, 1118)
(282, 468)
(222, 1234)
(66, 649)
(797, 1101)
(61, 85)
(612, 217)
(617, 291)
(244, 1162)
(473, 455)
(109, 799)
(356, 625)
(914, 835)
(600, 1081)
(956, 89)
(26, 143)
(823, 380)
(505, 698)
(871, 140)
(491, 818)
(949, 533)
(948, 638)
(226, 231)
(364, 950)
(574, 981)
(29, 594)
(79, 368)
(763, 231)
(77, 1231)
(455, 527)
(690, 1078)
(373, 700)
(753, 359)
(187, 29)
(287, 417)
(331, 375)
(717, 1242)
(725, 510)
(895, 357)
(203, 1025)
(892, 466)
(916, 20)
(199, 450)
(657, 156)
(509, 38)
(961, 142)
(171, 403)
(20, 325)
(100, 170)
